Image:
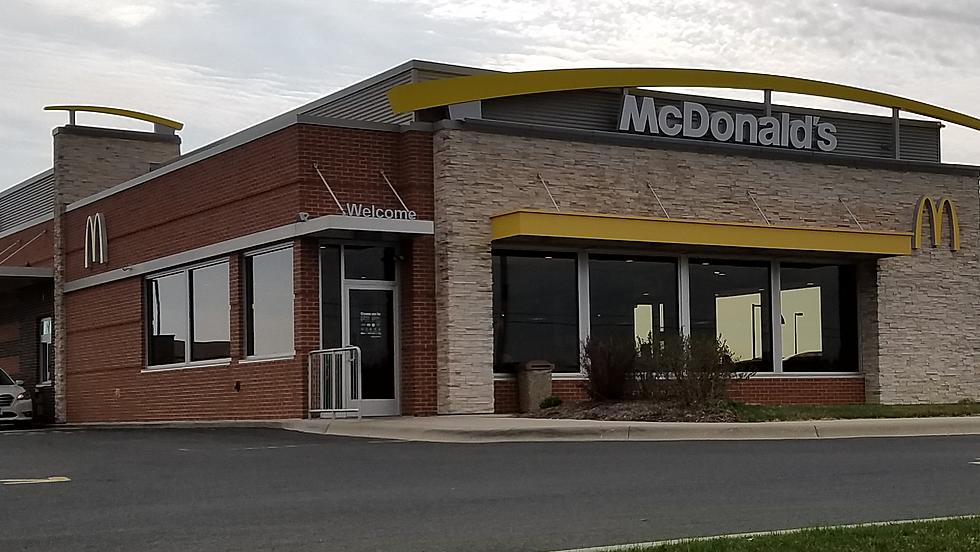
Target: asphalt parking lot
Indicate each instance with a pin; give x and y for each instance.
(266, 489)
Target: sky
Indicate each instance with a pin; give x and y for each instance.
(220, 66)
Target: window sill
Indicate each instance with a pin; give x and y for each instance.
(220, 362)
(44, 385)
(267, 358)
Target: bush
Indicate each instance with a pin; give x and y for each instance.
(688, 370)
(550, 402)
(607, 363)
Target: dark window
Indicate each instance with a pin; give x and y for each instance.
(535, 310)
(210, 323)
(269, 300)
(731, 300)
(167, 308)
(819, 318)
(330, 289)
(45, 353)
(363, 262)
(632, 297)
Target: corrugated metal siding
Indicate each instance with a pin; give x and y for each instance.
(599, 110)
(27, 201)
(367, 104)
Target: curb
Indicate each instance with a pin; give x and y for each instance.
(438, 430)
(497, 429)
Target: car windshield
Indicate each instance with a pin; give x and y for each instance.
(5, 379)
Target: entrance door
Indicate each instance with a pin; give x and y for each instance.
(371, 312)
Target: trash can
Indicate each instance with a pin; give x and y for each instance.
(533, 384)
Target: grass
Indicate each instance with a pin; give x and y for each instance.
(953, 535)
(757, 413)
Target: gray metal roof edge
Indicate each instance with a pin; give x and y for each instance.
(27, 182)
(25, 225)
(638, 140)
(26, 272)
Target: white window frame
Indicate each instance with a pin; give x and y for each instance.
(284, 355)
(189, 319)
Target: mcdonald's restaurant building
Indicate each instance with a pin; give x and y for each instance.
(455, 223)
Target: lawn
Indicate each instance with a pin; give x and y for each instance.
(954, 535)
(757, 413)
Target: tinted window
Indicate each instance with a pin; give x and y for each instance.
(535, 310)
(632, 297)
(330, 306)
(819, 318)
(269, 296)
(369, 262)
(211, 312)
(167, 310)
(731, 300)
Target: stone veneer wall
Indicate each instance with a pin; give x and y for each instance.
(917, 314)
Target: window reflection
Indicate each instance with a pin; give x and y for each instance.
(819, 318)
(730, 300)
(632, 297)
(167, 309)
(209, 286)
(269, 296)
(535, 310)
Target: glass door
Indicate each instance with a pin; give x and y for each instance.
(359, 306)
(370, 325)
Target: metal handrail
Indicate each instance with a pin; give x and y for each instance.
(332, 383)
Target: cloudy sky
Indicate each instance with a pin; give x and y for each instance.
(222, 65)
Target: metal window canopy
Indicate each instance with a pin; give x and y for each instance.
(527, 223)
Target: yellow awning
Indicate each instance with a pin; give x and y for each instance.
(580, 226)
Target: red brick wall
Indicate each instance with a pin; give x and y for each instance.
(795, 390)
(256, 186)
(244, 190)
(505, 393)
(32, 246)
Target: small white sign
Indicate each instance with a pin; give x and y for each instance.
(373, 211)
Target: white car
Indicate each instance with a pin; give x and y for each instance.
(15, 402)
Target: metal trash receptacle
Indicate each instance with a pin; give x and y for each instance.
(533, 384)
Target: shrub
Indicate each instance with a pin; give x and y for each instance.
(607, 363)
(550, 402)
(691, 370)
(688, 370)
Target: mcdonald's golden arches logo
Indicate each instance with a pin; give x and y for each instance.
(96, 244)
(936, 211)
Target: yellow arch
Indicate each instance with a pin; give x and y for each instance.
(423, 95)
(155, 119)
(936, 210)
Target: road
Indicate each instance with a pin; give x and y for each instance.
(266, 489)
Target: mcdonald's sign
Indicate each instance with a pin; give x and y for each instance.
(96, 244)
(936, 211)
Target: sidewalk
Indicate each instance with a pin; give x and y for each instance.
(501, 428)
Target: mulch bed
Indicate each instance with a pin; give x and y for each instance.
(638, 411)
